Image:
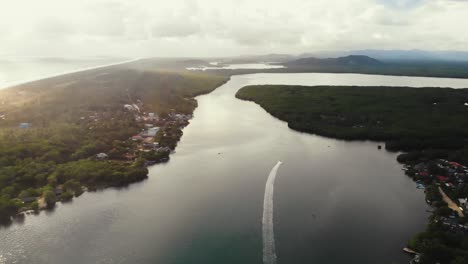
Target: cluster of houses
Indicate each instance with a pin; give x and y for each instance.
(453, 173)
(448, 175)
(452, 223)
(154, 128)
(147, 138)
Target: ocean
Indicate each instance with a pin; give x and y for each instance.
(14, 70)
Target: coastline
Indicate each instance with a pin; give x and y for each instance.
(22, 82)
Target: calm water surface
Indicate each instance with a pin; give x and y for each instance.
(334, 201)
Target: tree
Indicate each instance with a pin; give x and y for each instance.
(50, 198)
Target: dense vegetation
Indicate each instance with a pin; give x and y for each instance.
(431, 122)
(368, 65)
(71, 119)
(407, 118)
(447, 69)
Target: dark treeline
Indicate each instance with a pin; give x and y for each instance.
(406, 118)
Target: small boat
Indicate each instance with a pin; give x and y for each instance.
(420, 186)
(410, 251)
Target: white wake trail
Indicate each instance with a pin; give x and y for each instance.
(269, 251)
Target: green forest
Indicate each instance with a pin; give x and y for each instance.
(406, 118)
(72, 118)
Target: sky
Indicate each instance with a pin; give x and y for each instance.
(184, 28)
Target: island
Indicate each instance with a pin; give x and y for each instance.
(428, 124)
(90, 130)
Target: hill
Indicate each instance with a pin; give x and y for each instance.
(351, 60)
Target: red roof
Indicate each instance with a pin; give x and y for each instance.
(442, 178)
(455, 164)
(424, 173)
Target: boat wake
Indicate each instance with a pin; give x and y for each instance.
(269, 251)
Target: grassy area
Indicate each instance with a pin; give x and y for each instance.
(72, 118)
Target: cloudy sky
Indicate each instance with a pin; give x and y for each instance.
(137, 28)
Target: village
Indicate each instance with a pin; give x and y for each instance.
(158, 136)
(444, 183)
(446, 191)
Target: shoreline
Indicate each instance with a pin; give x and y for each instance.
(12, 84)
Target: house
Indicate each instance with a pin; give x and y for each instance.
(130, 107)
(24, 125)
(102, 156)
(137, 138)
(424, 173)
(29, 199)
(152, 131)
(462, 201)
(442, 178)
(153, 117)
(455, 164)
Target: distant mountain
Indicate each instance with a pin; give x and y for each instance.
(351, 60)
(405, 55)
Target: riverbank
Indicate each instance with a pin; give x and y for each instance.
(444, 184)
(83, 131)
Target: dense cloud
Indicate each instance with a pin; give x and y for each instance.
(226, 27)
